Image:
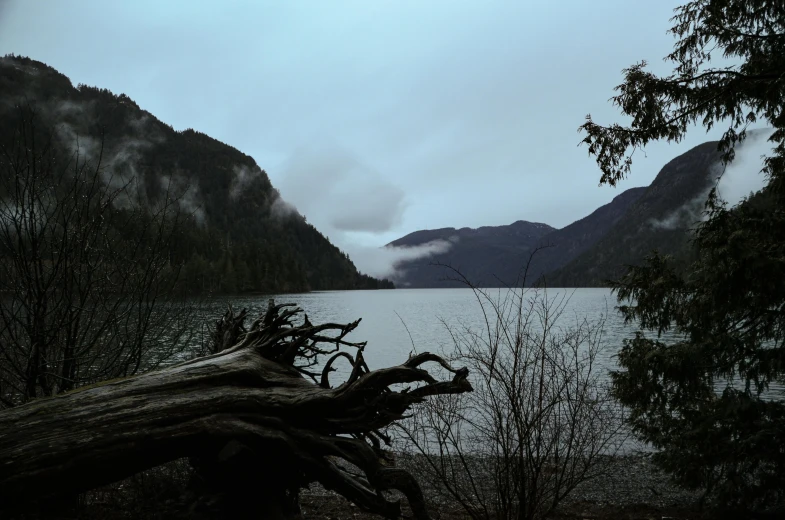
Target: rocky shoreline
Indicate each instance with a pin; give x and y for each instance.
(633, 480)
(631, 487)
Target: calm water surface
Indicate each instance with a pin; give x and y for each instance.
(427, 313)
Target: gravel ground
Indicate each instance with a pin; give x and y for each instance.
(633, 480)
(632, 488)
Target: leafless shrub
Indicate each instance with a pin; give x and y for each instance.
(539, 422)
(87, 284)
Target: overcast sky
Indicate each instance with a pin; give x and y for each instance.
(376, 118)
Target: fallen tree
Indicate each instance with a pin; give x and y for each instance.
(248, 412)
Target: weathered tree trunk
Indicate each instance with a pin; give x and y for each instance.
(248, 402)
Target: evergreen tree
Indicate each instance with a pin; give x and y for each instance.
(703, 400)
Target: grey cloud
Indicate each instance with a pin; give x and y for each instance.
(119, 169)
(344, 197)
(684, 217)
(334, 189)
(119, 157)
(85, 148)
(73, 109)
(372, 204)
(147, 129)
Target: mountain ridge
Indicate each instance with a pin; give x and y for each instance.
(679, 190)
(593, 249)
(464, 254)
(245, 237)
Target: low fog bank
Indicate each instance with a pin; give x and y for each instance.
(383, 262)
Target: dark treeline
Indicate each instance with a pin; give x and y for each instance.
(242, 236)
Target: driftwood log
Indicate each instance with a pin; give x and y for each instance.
(261, 400)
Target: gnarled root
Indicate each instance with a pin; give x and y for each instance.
(254, 394)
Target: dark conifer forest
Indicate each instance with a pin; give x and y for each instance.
(241, 236)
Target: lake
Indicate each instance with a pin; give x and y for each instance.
(426, 314)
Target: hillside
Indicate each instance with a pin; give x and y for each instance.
(660, 219)
(563, 245)
(589, 251)
(497, 256)
(244, 237)
(479, 254)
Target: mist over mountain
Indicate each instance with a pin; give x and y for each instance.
(246, 237)
(483, 255)
(498, 256)
(598, 247)
(243, 237)
(660, 219)
(663, 218)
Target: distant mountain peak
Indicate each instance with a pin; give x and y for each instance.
(650, 223)
(518, 228)
(589, 251)
(493, 256)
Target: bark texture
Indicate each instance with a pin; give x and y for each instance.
(251, 401)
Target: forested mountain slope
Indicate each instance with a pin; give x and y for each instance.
(587, 252)
(483, 255)
(659, 220)
(498, 256)
(244, 237)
